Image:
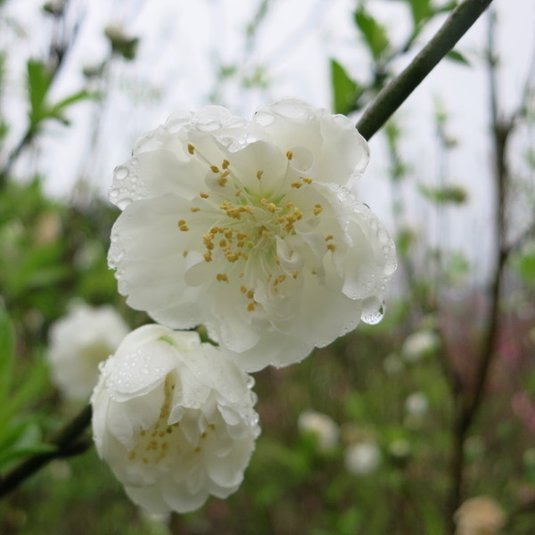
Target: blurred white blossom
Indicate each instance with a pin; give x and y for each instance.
(253, 229)
(174, 419)
(78, 342)
(362, 458)
(416, 404)
(322, 427)
(479, 516)
(420, 344)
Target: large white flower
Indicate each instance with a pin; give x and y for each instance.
(78, 343)
(251, 228)
(174, 419)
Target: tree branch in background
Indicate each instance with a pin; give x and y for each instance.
(61, 42)
(470, 400)
(66, 443)
(397, 91)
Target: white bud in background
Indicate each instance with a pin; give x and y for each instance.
(322, 427)
(78, 342)
(362, 458)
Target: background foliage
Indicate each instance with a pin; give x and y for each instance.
(478, 377)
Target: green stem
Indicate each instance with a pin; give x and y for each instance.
(396, 92)
(66, 443)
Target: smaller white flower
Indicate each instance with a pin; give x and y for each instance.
(416, 404)
(322, 427)
(362, 458)
(419, 345)
(174, 419)
(78, 342)
(479, 516)
(400, 448)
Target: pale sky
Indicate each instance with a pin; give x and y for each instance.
(181, 41)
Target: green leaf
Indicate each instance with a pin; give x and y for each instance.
(373, 32)
(525, 264)
(444, 195)
(420, 11)
(457, 57)
(345, 90)
(7, 352)
(39, 80)
(56, 110)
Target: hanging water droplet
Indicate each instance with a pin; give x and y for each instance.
(373, 313)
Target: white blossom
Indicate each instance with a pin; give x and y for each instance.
(78, 342)
(252, 228)
(362, 458)
(416, 404)
(322, 427)
(174, 419)
(420, 344)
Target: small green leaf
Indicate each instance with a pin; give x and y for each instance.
(7, 352)
(525, 264)
(444, 195)
(345, 90)
(457, 57)
(373, 32)
(39, 80)
(420, 11)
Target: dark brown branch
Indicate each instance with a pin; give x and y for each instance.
(68, 442)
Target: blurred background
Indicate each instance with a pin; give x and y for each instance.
(393, 427)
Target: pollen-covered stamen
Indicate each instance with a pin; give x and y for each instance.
(153, 444)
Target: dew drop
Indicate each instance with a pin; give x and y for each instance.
(121, 172)
(373, 311)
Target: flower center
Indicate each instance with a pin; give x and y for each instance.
(163, 439)
(248, 223)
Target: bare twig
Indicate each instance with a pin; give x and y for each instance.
(68, 442)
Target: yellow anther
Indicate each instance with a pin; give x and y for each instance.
(214, 169)
(241, 236)
(225, 164)
(317, 209)
(237, 193)
(271, 207)
(207, 256)
(223, 244)
(191, 148)
(198, 449)
(228, 234)
(243, 289)
(329, 237)
(232, 257)
(221, 277)
(289, 155)
(250, 294)
(185, 253)
(203, 195)
(259, 174)
(296, 185)
(195, 209)
(251, 307)
(181, 222)
(225, 174)
(306, 179)
(222, 181)
(331, 247)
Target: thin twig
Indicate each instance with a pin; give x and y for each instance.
(395, 93)
(470, 402)
(66, 443)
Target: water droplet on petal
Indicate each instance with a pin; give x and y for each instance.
(121, 172)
